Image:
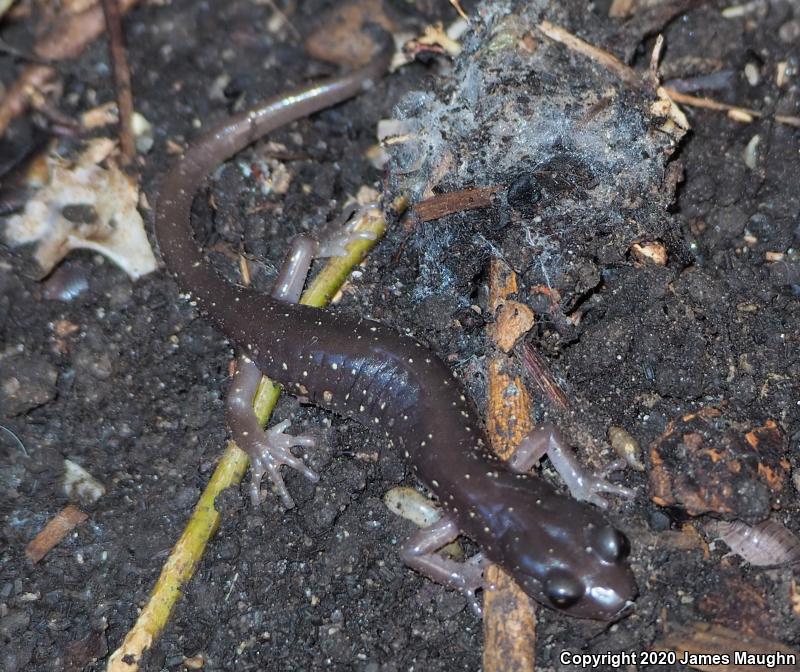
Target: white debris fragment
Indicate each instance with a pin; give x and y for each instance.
(85, 206)
(79, 485)
(142, 133)
(750, 153)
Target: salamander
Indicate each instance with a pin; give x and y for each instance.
(561, 551)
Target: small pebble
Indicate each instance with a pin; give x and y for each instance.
(752, 74)
(659, 522)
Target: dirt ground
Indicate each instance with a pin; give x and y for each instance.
(135, 393)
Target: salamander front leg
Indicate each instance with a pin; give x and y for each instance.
(547, 440)
(268, 449)
(419, 553)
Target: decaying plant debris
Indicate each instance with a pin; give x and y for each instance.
(581, 159)
(654, 315)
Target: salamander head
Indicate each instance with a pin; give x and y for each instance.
(562, 552)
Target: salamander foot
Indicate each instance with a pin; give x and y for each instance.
(268, 449)
(583, 485)
(420, 553)
(269, 453)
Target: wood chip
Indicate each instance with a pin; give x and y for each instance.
(512, 318)
(451, 202)
(653, 252)
(59, 527)
(509, 634)
(509, 623)
(512, 321)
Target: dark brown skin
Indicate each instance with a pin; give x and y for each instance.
(561, 551)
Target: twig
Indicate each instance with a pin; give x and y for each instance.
(543, 377)
(67, 38)
(655, 58)
(741, 114)
(451, 202)
(122, 78)
(631, 76)
(509, 621)
(600, 56)
(181, 564)
(56, 529)
(457, 6)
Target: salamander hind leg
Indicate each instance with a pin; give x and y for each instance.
(268, 449)
(420, 553)
(583, 485)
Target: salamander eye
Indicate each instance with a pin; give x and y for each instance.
(611, 544)
(562, 589)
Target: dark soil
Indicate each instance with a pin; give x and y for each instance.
(135, 395)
